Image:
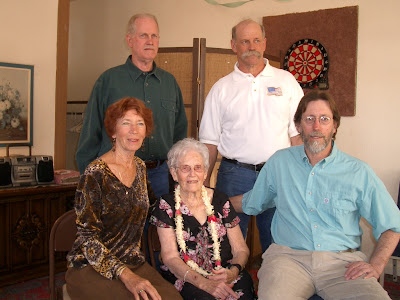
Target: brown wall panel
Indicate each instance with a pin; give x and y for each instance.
(337, 30)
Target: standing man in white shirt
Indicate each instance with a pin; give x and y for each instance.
(248, 115)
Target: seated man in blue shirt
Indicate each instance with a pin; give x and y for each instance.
(320, 194)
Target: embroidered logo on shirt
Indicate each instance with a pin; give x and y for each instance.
(274, 91)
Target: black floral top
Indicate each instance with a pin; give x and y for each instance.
(110, 219)
(197, 236)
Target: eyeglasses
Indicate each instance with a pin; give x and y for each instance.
(187, 168)
(310, 120)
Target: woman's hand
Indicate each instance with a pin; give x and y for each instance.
(226, 275)
(219, 289)
(139, 287)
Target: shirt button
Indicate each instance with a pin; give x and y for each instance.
(312, 173)
(315, 226)
(255, 90)
(146, 84)
(152, 137)
(310, 193)
(148, 101)
(318, 245)
(311, 210)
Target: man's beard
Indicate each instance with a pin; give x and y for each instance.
(250, 53)
(316, 146)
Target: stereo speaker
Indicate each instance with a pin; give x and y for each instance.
(44, 169)
(5, 172)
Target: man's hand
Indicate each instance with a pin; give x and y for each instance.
(360, 269)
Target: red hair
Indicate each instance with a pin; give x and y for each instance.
(118, 109)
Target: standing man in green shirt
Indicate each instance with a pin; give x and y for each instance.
(139, 77)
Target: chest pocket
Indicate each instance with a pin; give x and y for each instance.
(341, 206)
(168, 105)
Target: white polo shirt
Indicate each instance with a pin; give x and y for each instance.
(248, 118)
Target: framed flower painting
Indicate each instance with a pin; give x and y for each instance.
(16, 102)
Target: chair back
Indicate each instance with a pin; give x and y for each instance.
(62, 237)
(153, 243)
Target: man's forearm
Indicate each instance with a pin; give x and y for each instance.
(213, 152)
(384, 249)
(296, 140)
(237, 203)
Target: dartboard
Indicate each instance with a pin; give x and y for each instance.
(308, 61)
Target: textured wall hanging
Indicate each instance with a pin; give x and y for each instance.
(335, 29)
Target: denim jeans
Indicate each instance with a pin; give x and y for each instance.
(158, 178)
(235, 180)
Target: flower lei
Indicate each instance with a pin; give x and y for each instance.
(211, 222)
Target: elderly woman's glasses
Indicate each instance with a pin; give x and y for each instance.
(187, 168)
(310, 120)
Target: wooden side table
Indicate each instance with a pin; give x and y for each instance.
(26, 217)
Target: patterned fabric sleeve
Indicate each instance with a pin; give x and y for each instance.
(163, 213)
(224, 209)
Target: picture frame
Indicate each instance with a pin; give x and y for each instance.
(16, 104)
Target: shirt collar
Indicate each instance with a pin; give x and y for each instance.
(326, 160)
(268, 71)
(135, 72)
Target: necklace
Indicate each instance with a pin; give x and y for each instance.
(122, 182)
(211, 220)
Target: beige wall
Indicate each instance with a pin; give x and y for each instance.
(28, 35)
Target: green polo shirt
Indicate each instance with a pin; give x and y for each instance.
(159, 91)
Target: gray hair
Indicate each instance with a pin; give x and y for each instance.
(247, 21)
(131, 27)
(182, 147)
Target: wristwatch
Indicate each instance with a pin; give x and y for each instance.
(238, 266)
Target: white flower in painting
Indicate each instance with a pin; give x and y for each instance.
(15, 122)
(8, 104)
(2, 106)
(11, 94)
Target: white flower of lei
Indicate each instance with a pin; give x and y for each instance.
(211, 219)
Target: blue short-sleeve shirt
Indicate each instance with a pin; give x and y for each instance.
(319, 208)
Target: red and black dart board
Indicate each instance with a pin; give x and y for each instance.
(307, 60)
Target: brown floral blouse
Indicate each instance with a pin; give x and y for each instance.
(110, 220)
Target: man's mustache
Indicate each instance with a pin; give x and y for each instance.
(316, 134)
(251, 52)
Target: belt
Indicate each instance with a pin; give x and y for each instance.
(348, 250)
(151, 164)
(243, 165)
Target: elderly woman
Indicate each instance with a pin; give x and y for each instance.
(202, 248)
(111, 204)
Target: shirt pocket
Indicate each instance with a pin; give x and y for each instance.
(344, 205)
(169, 105)
(340, 210)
